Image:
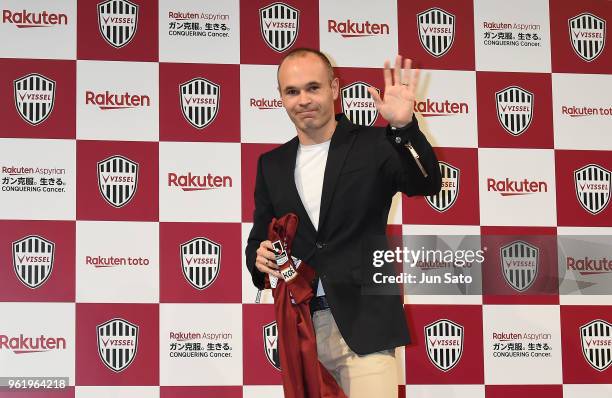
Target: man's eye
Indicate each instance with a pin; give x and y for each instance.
(313, 88)
(291, 92)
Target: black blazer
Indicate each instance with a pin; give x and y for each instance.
(365, 167)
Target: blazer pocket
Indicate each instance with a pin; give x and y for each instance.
(353, 169)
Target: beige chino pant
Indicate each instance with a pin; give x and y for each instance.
(360, 376)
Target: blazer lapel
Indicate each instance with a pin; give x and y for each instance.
(341, 142)
(288, 176)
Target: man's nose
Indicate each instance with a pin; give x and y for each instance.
(304, 97)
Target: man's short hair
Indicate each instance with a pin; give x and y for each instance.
(302, 51)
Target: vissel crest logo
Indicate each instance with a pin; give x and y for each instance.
(279, 25)
(200, 101)
(444, 342)
(596, 341)
(200, 262)
(270, 337)
(450, 189)
(514, 109)
(436, 31)
(117, 343)
(117, 21)
(358, 105)
(34, 97)
(117, 180)
(33, 260)
(587, 35)
(593, 187)
(519, 262)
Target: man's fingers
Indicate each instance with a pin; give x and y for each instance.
(267, 266)
(268, 270)
(387, 74)
(397, 70)
(266, 254)
(375, 96)
(406, 71)
(414, 84)
(266, 249)
(266, 263)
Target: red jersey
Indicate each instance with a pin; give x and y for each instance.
(303, 375)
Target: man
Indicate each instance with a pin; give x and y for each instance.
(339, 178)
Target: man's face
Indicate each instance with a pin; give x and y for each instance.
(306, 91)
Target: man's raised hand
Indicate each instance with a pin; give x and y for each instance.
(397, 106)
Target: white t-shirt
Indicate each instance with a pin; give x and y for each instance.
(309, 171)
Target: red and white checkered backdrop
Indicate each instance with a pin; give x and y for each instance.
(130, 133)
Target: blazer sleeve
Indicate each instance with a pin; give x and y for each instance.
(262, 215)
(413, 167)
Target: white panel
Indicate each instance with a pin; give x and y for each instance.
(40, 160)
(498, 26)
(587, 390)
(262, 116)
(216, 39)
(446, 108)
(358, 33)
(505, 324)
(517, 187)
(39, 340)
(38, 29)
(117, 262)
(442, 391)
(199, 182)
(250, 294)
(207, 323)
(440, 230)
(395, 212)
(582, 111)
(262, 391)
(587, 299)
(118, 100)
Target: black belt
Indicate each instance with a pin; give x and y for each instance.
(318, 303)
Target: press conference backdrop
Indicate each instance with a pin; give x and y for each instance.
(130, 134)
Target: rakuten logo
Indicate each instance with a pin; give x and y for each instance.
(263, 103)
(580, 111)
(24, 345)
(190, 182)
(25, 19)
(510, 187)
(430, 108)
(589, 266)
(108, 100)
(349, 28)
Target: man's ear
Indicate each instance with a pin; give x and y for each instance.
(335, 85)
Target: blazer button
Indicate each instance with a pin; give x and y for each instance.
(320, 245)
